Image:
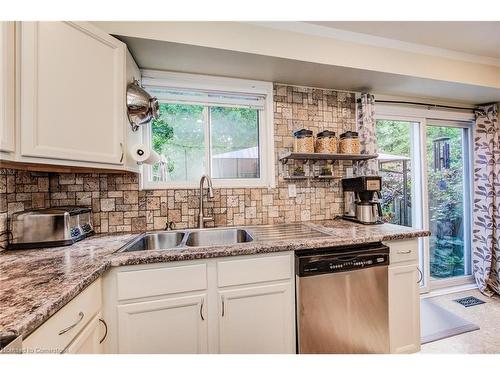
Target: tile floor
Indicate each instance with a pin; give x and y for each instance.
(486, 316)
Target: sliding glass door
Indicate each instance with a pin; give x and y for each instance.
(448, 207)
(426, 183)
(401, 168)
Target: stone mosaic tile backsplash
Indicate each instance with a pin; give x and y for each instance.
(118, 205)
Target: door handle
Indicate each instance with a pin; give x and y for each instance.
(121, 157)
(223, 306)
(201, 309)
(105, 332)
(421, 275)
(80, 318)
(404, 252)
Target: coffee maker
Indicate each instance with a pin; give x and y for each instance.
(362, 199)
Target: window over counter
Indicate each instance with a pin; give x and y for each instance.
(217, 126)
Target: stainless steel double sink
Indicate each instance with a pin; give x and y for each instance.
(173, 240)
(189, 238)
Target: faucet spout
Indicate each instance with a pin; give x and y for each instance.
(201, 217)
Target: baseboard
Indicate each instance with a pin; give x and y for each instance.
(449, 290)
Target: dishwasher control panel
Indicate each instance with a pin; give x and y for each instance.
(316, 261)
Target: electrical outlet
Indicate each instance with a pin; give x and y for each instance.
(292, 191)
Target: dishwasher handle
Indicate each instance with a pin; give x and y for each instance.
(346, 258)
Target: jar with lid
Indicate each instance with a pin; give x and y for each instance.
(349, 143)
(326, 142)
(304, 141)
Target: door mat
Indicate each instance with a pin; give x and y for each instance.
(469, 301)
(437, 323)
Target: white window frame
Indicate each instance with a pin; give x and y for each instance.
(468, 195)
(228, 85)
(438, 117)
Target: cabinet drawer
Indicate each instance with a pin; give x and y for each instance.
(254, 270)
(403, 251)
(58, 331)
(159, 281)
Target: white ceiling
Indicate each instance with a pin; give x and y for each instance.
(471, 37)
(161, 55)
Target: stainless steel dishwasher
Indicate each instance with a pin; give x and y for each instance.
(342, 299)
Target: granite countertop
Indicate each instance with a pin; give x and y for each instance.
(34, 284)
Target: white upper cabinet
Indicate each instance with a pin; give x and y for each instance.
(7, 87)
(72, 93)
(132, 137)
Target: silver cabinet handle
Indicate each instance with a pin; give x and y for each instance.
(421, 275)
(63, 331)
(201, 309)
(105, 332)
(404, 252)
(223, 307)
(121, 157)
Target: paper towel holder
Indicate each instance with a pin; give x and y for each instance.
(143, 154)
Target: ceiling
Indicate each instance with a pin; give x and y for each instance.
(161, 55)
(471, 37)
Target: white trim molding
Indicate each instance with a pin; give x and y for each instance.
(462, 287)
(375, 41)
(174, 80)
(408, 111)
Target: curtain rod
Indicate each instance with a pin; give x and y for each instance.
(424, 104)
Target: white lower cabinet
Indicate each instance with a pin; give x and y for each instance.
(253, 313)
(169, 325)
(243, 304)
(90, 340)
(404, 297)
(73, 329)
(257, 319)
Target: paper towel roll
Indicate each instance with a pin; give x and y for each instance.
(144, 155)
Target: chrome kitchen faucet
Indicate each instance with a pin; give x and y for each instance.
(201, 218)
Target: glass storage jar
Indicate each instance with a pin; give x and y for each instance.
(304, 141)
(349, 143)
(326, 142)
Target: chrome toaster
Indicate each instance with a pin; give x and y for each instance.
(49, 227)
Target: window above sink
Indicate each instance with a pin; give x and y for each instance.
(222, 127)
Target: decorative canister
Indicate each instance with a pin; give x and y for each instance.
(304, 141)
(326, 142)
(349, 143)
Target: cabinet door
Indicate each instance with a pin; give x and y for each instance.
(7, 86)
(72, 92)
(171, 325)
(257, 319)
(89, 340)
(404, 309)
